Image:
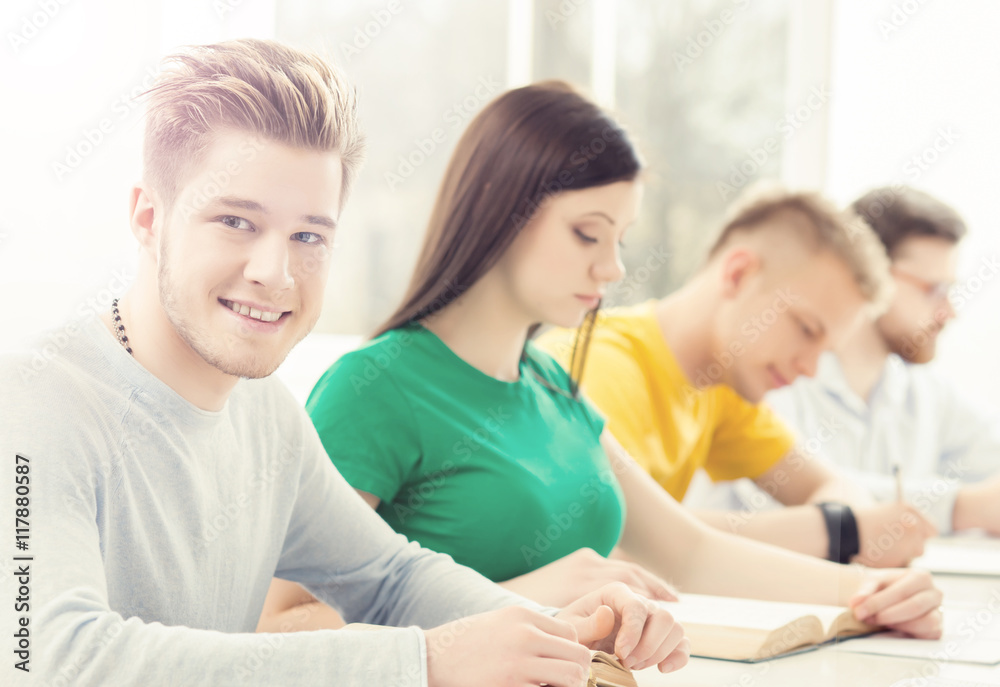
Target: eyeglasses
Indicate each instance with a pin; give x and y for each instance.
(935, 290)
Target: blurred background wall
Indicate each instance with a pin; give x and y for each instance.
(839, 95)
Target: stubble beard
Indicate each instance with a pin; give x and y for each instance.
(220, 351)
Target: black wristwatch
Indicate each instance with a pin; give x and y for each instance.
(842, 528)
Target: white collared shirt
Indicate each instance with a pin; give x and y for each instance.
(912, 417)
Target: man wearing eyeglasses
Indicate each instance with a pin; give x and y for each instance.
(890, 409)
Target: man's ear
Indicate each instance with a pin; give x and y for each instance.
(738, 265)
(145, 218)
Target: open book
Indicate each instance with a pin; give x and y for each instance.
(971, 635)
(607, 671)
(751, 630)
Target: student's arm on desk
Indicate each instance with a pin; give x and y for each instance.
(948, 505)
(557, 584)
(290, 608)
(672, 542)
(797, 480)
(609, 617)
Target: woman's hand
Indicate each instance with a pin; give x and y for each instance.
(564, 581)
(904, 600)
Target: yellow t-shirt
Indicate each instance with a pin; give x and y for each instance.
(667, 425)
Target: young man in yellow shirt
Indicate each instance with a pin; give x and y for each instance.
(681, 379)
(892, 407)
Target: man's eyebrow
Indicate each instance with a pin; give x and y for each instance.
(253, 206)
(241, 204)
(320, 220)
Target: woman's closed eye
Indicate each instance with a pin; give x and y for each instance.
(584, 237)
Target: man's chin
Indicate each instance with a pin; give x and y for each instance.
(751, 393)
(248, 366)
(919, 356)
(253, 370)
(912, 353)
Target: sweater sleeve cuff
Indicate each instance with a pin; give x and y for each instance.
(422, 644)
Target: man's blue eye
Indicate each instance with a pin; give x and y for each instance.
(307, 237)
(234, 222)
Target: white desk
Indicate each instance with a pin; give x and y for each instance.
(827, 667)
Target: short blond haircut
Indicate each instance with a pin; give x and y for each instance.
(259, 87)
(826, 228)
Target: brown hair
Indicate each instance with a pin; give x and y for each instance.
(256, 86)
(841, 232)
(897, 213)
(525, 146)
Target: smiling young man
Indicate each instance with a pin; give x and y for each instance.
(168, 477)
(681, 379)
(888, 406)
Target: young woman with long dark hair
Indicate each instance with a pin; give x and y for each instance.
(468, 439)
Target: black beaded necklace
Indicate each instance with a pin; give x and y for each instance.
(119, 327)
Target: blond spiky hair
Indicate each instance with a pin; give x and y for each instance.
(259, 87)
(842, 232)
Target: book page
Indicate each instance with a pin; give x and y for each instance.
(971, 635)
(982, 651)
(749, 629)
(961, 556)
(747, 613)
(607, 671)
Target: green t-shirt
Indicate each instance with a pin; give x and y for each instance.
(503, 476)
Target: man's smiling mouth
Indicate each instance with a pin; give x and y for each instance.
(253, 313)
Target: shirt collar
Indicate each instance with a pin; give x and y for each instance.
(891, 385)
